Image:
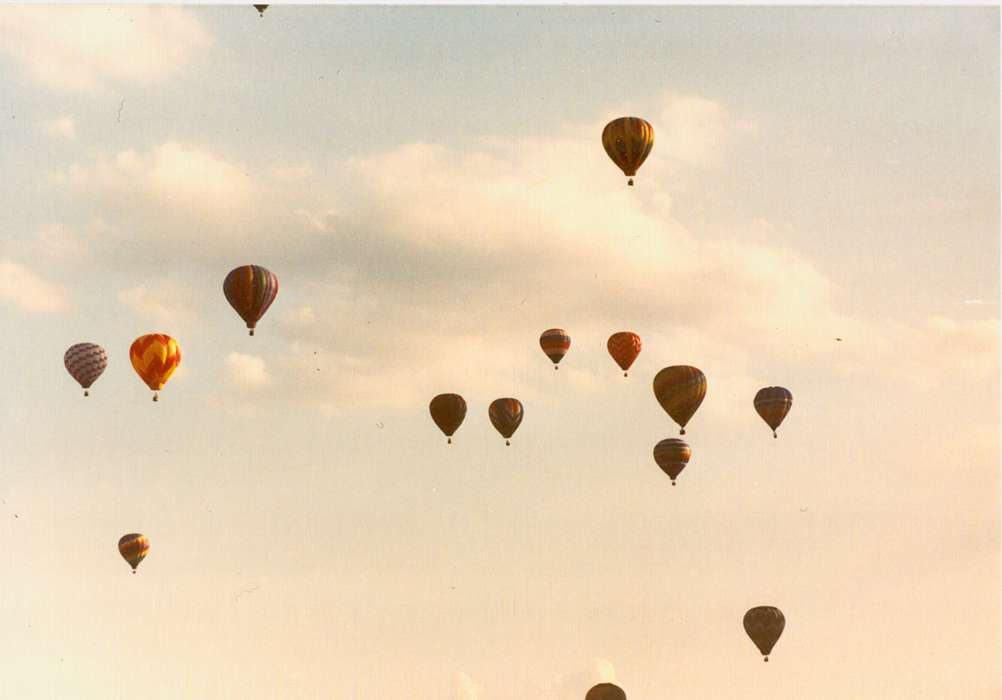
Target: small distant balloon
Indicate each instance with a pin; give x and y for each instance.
(250, 289)
(448, 412)
(506, 415)
(606, 691)
(260, 9)
(133, 548)
(764, 625)
(628, 141)
(85, 362)
(155, 357)
(624, 348)
(773, 403)
(555, 343)
(672, 455)
(680, 390)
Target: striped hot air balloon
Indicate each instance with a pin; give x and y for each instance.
(555, 343)
(680, 390)
(606, 691)
(624, 348)
(765, 625)
(672, 455)
(773, 403)
(155, 357)
(85, 362)
(506, 415)
(133, 548)
(448, 412)
(250, 289)
(628, 141)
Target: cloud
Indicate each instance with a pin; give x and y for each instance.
(28, 291)
(246, 371)
(88, 49)
(167, 303)
(466, 689)
(696, 131)
(63, 127)
(573, 686)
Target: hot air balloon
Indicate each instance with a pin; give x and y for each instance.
(448, 412)
(555, 343)
(250, 289)
(155, 357)
(261, 9)
(773, 403)
(764, 625)
(506, 415)
(680, 390)
(672, 455)
(606, 691)
(628, 141)
(624, 348)
(133, 548)
(85, 362)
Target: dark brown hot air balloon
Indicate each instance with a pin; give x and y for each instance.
(672, 455)
(133, 548)
(606, 691)
(506, 415)
(680, 390)
(624, 348)
(555, 343)
(628, 141)
(448, 412)
(260, 9)
(764, 625)
(250, 289)
(773, 403)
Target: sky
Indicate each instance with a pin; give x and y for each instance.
(429, 185)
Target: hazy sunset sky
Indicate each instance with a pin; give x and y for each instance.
(429, 185)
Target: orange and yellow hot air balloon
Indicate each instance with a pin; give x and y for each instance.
(624, 348)
(133, 548)
(628, 141)
(155, 357)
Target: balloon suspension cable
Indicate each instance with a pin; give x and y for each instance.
(86, 393)
(630, 182)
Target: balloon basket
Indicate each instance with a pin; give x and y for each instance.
(86, 393)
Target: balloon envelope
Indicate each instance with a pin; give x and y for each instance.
(624, 348)
(672, 455)
(680, 390)
(773, 403)
(506, 415)
(155, 357)
(250, 289)
(448, 412)
(606, 691)
(555, 343)
(764, 625)
(133, 548)
(628, 141)
(85, 362)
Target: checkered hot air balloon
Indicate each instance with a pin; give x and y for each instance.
(155, 357)
(85, 362)
(773, 403)
(628, 141)
(506, 415)
(555, 343)
(250, 289)
(133, 548)
(624, 348)
(680, 390)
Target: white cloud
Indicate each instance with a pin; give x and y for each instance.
(25, 289)
(89, 48)
(63, 127)
(246, 371)
(165, 303)
(466, 689)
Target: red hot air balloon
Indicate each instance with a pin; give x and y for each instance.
(250, 289)
(624, 348)
(85, 362)
(506, 415)
(448, 412)
(555, 343)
